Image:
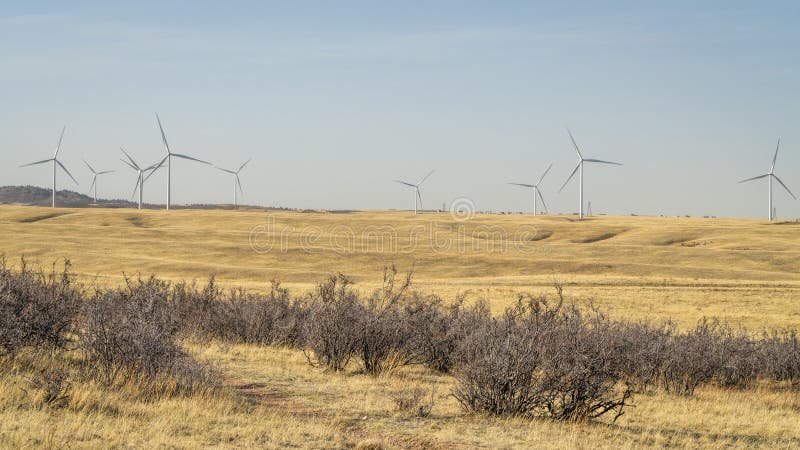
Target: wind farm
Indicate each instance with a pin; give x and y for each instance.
(585, 263)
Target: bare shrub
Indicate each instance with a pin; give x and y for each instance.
(438, 330)
(332, 328)
(386, 341)
(780, 352)
(740, 359)
(131, 335)
(643, 350)
(541, 360)
(36, 309)
(582, 368)
(241, 317)
(693, 358)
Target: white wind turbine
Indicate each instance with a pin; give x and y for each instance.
(140, 179)
(581, 161)
(236, 182)
(94, 179)
(416, 190)
(770, 175)
(536, 191)
(168, 160)
(56, 164)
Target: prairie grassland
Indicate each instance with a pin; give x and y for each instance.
(274, 399)
(742, 271)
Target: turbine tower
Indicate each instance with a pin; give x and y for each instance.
(536, 191)
(94, 179)
(770, 176)
(140, 179)
(579, 167)
(236, 182)
(168, 160)
(416, 190)
(56, 164)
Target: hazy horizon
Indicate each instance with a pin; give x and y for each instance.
(334, 101)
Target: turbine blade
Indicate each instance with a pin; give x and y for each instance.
(419, 196)
(775, 158)
(575, 144)
(65, 170)
(223, 169)
(94, 179)
(539, 193)
(602, 162)
(136, 188)
(570, 176)
(754, 178)
(426, 177)
(242, 166)
(239, 183)
(407, 184)
(523, 185)
(154, 169)
(90, 167)
(105, 171)
(163, 136)
(60, 138)
(129, 164)
(544, 174)
(37, 162)
(178, 155)
(135, 166)
(785, 187)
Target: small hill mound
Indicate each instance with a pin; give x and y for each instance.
(37, 196)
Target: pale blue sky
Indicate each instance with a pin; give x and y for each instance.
(334, 99)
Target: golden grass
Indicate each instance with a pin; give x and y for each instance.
(276, 400)
(742, 271)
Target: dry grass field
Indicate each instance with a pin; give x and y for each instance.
(744, 272)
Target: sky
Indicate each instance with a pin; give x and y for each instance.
(334, 100)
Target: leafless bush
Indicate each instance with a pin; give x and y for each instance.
(693, 358)
(386, 341)
(438, 330)
(780, 352)
(541, 360)
(740, 359)
(643, 350)
(36, 309)
(332, 329)
(131, 334)
(242, 317)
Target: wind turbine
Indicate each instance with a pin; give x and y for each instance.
(581, 161)
(56, 164)
(770, 175)
(236, 182)
(140, 179)
(416, 190)
(168, 160)
(536, 191)
(94, 178)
